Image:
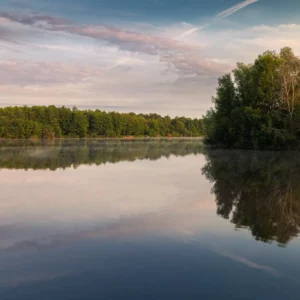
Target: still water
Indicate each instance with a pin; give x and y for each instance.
(151, 219)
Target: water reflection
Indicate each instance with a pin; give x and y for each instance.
(63, 154)
(253, 189)
(143, 229)
(257, 190)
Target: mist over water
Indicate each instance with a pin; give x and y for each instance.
(55, 154)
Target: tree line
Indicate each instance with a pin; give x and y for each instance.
(258, 105)
(50, 122)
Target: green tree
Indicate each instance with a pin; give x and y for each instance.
(258, 105)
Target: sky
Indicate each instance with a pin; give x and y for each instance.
(160, 56)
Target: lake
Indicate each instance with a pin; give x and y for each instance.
(147, 219)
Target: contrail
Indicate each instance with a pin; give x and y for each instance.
(223, 14)
(119, 62)
(190, 31)
(234, 9)
(126, 60)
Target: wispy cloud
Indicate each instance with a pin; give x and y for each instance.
(45, 73)
(223, 14)
(172, 70)
(234, 9)
(126, 61)
(184, 57)
(33, 20)
(190, 31)
(127, 40)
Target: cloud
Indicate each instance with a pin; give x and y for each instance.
(234, 9)
(126, 61)
(248, 43)
(190, 31)
(274, 29)
(168, 50)
(173, 82)
(223, 14)
(149, 90)
(40, 73)
(127, 40)
(193, 64)
(34, 20)
(163, 71)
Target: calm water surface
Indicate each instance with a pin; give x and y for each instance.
(147, 220)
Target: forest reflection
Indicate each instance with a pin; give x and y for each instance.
(55, 154)
(257, 190)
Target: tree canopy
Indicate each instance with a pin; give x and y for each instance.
(258, 105)
(55, 122)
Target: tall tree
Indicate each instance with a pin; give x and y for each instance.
(259, 106)
(290, 81)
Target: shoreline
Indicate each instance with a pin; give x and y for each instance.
(107, 138)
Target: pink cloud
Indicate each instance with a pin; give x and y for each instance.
(26, 73)
(185, 58)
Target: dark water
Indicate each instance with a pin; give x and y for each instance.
(147, 220)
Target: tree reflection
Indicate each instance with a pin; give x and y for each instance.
(257, 190)
(64, 154)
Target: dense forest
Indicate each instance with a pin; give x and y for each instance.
(258, 105)
(55, 122)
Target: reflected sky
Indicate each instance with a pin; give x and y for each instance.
(141, 229)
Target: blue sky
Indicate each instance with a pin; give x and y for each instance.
(145, 56)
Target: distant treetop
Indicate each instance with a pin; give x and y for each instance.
(55, 122)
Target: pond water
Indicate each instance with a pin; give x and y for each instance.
(147, 219)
